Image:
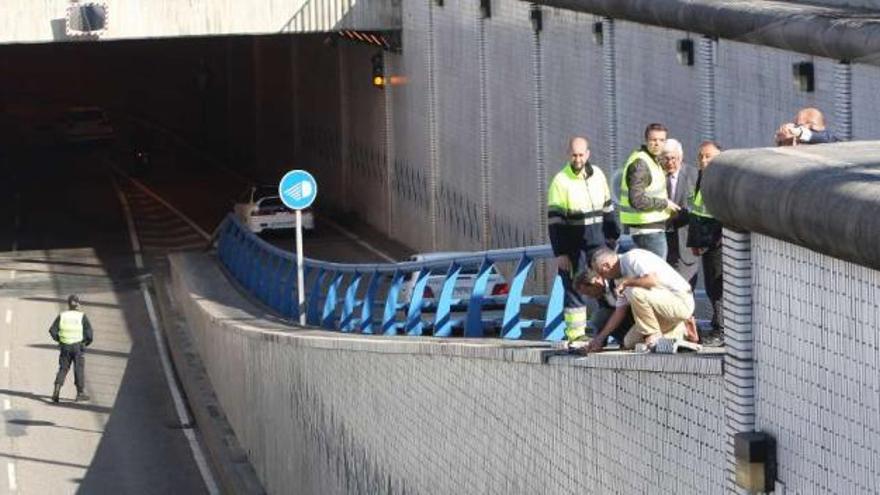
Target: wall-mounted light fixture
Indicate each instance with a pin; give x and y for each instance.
(378, 61)
(755, 454)
(684, 51)
(536, 18)
(803, 75)
(486, 8)
(598, 36)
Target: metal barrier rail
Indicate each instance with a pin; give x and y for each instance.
(269, 273)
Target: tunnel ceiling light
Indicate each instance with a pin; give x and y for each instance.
(486, 8)
(684, 51)
(755, 454)
(88, 20)
(536, 18)
(803, 75)
(598, 33)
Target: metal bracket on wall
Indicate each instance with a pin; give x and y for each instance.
(87, 20)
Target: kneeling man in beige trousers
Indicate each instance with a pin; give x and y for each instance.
(661, 300)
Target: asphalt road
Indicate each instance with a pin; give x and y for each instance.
(63, 231)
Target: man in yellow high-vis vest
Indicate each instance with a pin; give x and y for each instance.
(580, 219)
(73, 332)
(644, 200)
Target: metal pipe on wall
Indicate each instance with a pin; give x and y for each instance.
(843, 114)
(706, 67)
(609, 57)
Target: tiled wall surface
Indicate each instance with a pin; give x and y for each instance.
(817, 367)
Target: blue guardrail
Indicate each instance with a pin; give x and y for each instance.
(335, 300)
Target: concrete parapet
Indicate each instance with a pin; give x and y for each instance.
(322, 412)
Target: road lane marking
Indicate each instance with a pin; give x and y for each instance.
(8, 316)
(10, 471)
(7, 404)
(6, 359)
(358, 240)
(12, 274)
(164, 359)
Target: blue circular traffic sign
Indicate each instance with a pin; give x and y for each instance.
(297, 189)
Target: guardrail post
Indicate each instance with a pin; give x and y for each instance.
(554, 324)
(366, 324)
(414, 325)
(346, 321)
(313, 296)
(389, 323)
(511, 328)
(443, 317)
(328, 318)
(474, 325)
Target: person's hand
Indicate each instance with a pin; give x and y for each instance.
(697, 251)
(670, 205)
(619, 288)
(595, 345)
(563, 263)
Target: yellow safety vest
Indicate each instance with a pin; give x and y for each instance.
(70, 328)
(657, 189)
(574, 199)
(698, 207)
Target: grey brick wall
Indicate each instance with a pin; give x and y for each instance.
(319, 412)
(817, 367)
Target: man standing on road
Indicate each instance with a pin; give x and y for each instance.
(644, 204)
(660, 299)
(580, 218)
(680, 182)
(73, 332)
(704, 239)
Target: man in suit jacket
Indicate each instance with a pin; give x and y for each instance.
(680, 183)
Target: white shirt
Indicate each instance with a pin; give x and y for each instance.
(639, 262)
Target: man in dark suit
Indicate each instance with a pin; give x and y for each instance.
(680, 183)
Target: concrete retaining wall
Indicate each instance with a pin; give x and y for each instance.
(319, 412)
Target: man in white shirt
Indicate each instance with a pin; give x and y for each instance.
(660, 298)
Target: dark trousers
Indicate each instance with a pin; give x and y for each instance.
(712, 273)
(579, 261)
(74, 353)
(655, 242)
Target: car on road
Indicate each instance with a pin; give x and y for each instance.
(86, 124)
(260, 209)
(495, 286)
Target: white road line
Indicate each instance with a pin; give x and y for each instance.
(166, 204)
(12, 274)
(358, 240)
(6, 359)
(176, 396)
(8, 316)
(10, 471)
(7, 404)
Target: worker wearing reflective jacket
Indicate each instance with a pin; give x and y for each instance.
(580, 217)
(644, 199)
(73, 332)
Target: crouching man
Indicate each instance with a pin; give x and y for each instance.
(659, 297)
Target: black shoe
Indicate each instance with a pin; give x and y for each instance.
(82, 397)
(713, 339)
(56, 393)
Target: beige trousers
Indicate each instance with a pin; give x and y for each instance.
(656, 311)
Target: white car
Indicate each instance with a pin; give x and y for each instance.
(261, 209)
(86, 124)
(495, 286)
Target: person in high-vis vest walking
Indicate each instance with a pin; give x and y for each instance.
(704, 239)
(73, 332)
(580, 219)
(644, 199)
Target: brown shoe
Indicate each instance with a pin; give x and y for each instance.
(690, 330)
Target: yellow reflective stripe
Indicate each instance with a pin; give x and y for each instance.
(656, 189)
(575, 323)
(698, 207)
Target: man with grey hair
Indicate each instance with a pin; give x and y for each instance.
(680, 183)
(660, 299)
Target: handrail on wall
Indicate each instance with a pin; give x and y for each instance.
(269, 274)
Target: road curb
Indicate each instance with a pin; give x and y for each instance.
(229, 461)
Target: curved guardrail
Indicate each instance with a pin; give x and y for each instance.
(335, 298)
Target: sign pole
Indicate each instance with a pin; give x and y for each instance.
(300, 277)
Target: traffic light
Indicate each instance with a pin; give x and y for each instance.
(378, 71)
